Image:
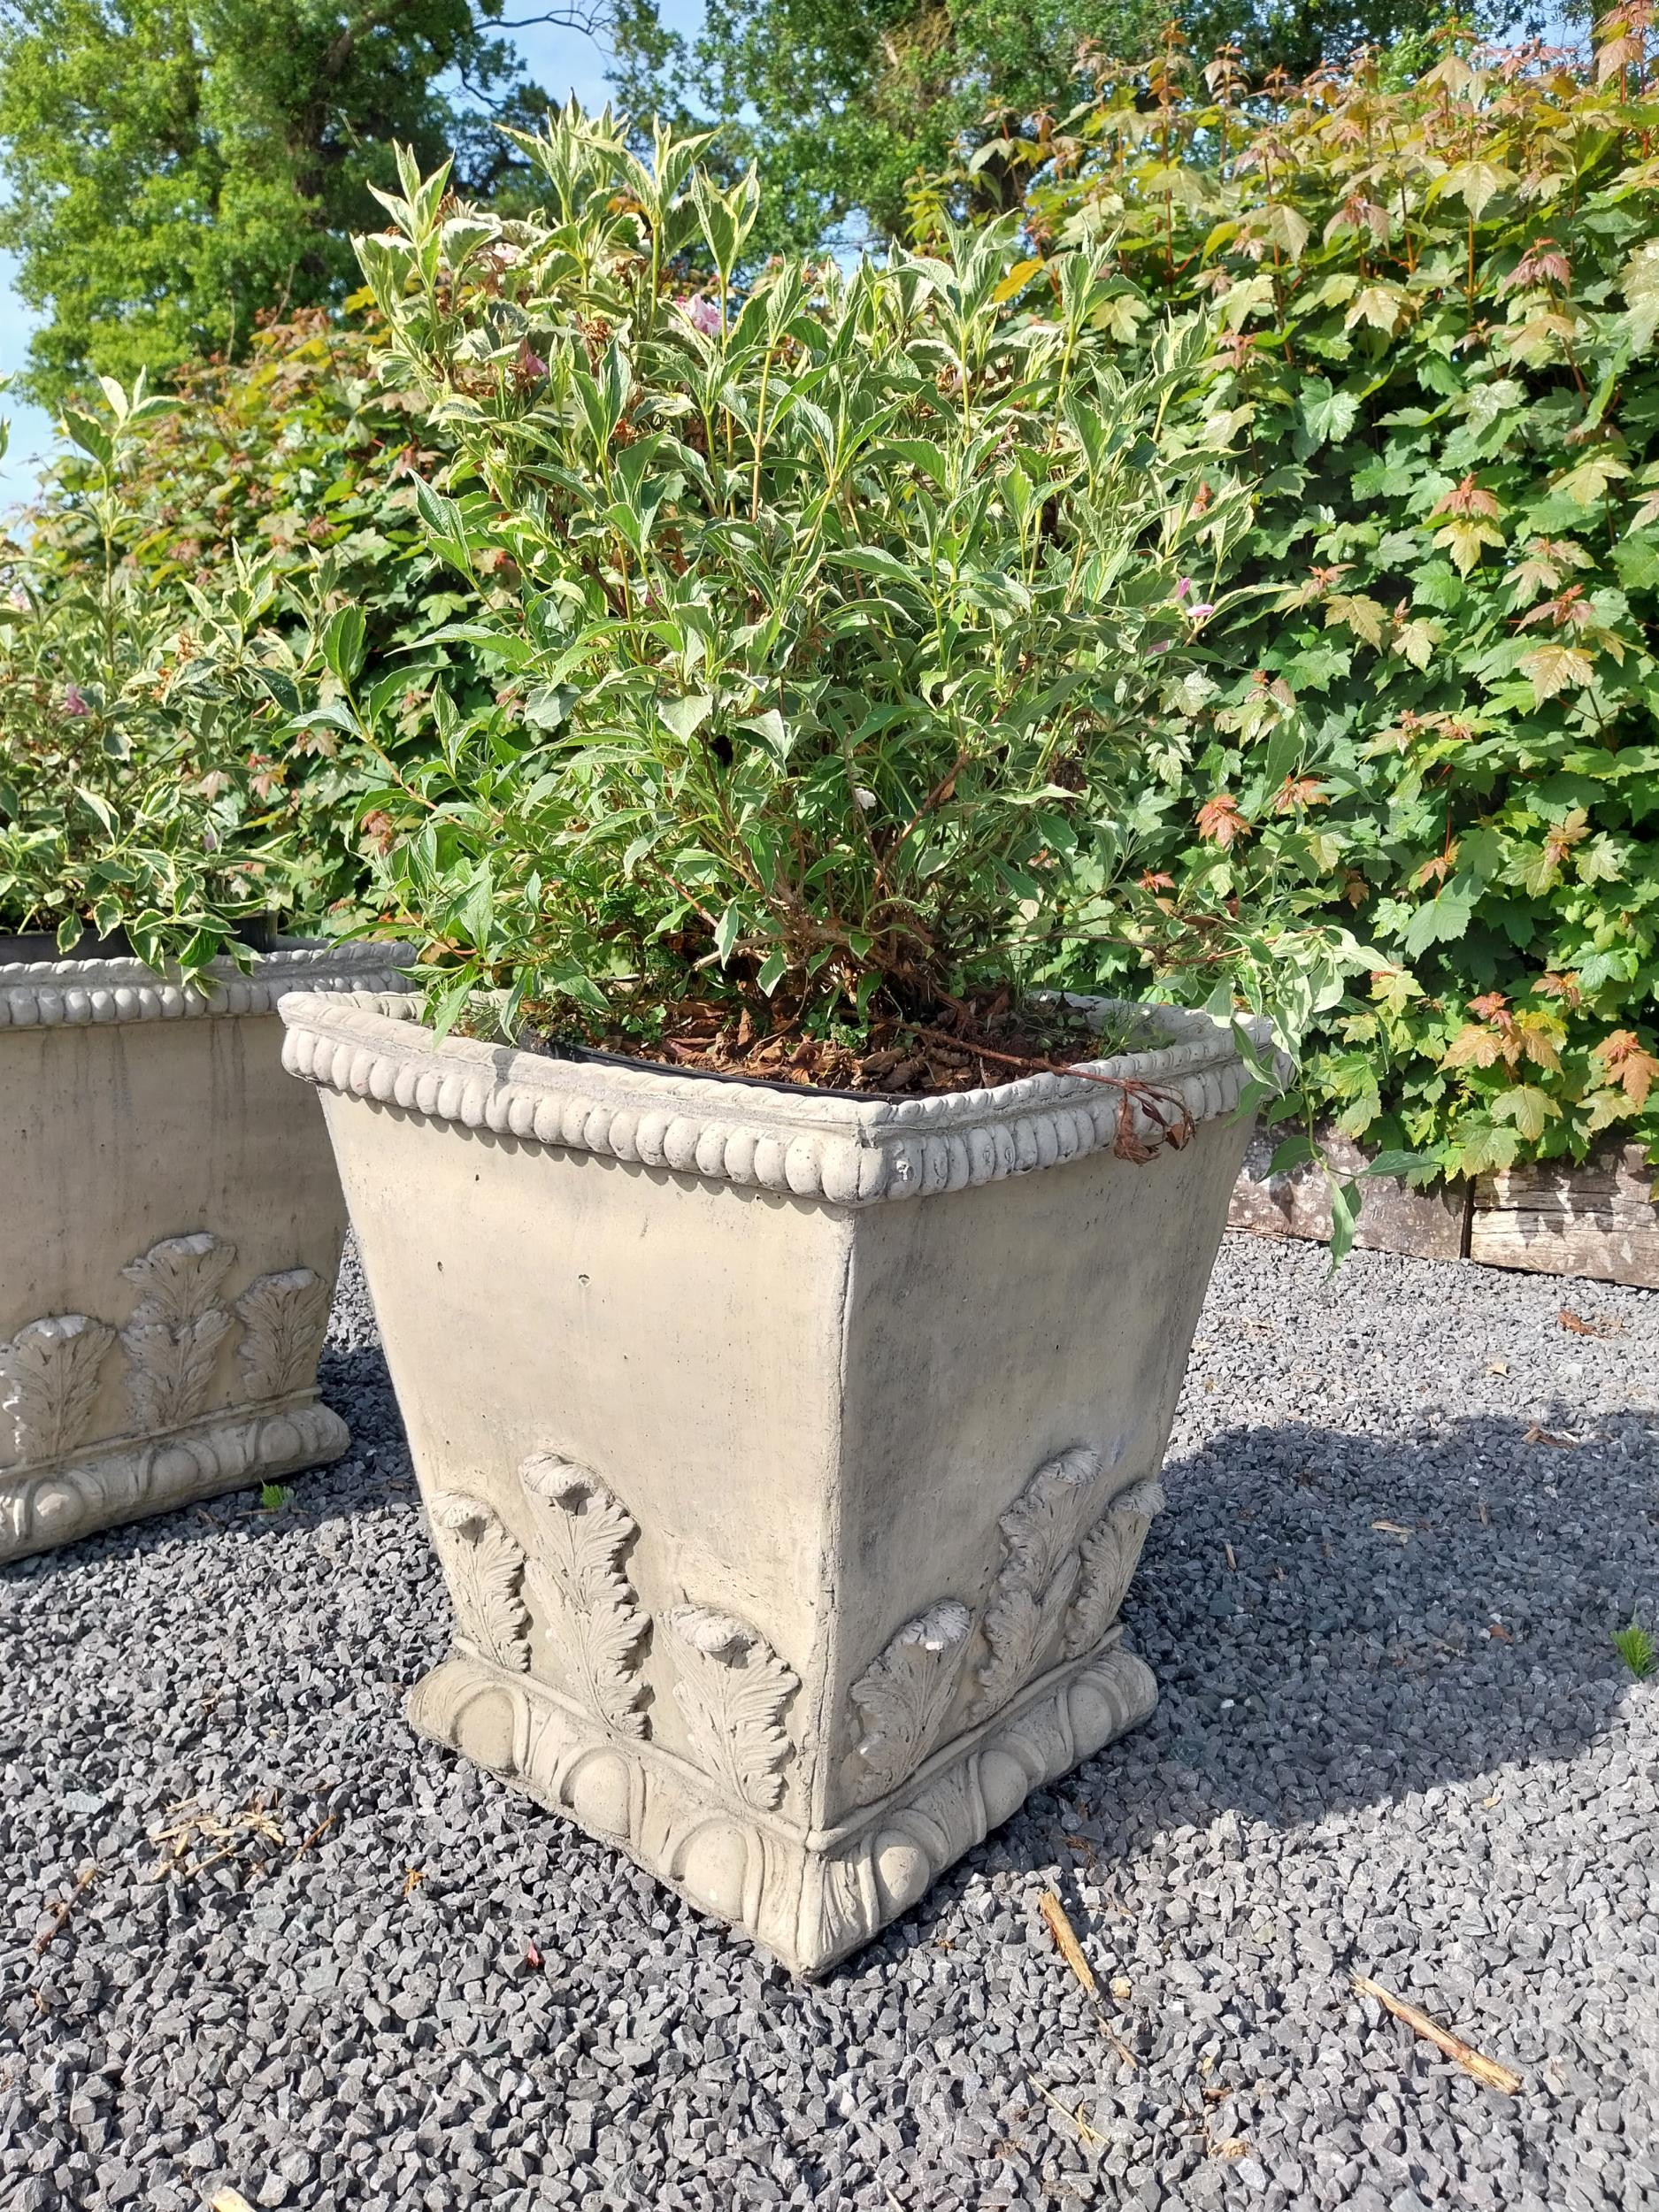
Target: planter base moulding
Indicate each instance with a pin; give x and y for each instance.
(810, 1897)
(788, 1456)
(174, 1224)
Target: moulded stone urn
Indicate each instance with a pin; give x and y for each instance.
(788, 1454)
(170, 1229)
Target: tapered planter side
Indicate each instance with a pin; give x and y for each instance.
(173, 1228)
(788, 1456)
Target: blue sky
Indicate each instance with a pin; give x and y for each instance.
(560, 61)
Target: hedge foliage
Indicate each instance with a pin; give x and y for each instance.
(1435, 305)
(201, 573)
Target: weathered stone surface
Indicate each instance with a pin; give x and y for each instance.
(1599, 1221)
(1394, 1217)
(173, 1224)
(785, 1521)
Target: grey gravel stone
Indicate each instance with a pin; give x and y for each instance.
(1393, 1741)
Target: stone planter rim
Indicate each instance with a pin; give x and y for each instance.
(65, 992)
(838, 1147)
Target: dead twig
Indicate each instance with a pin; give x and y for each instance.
(1128, 1144)
(1086, 2135)
(246, 1835)
(65, 1906)
(1484, 2070)
(316, 1835)
(1071, 1950)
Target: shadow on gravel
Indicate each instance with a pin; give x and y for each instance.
(1397, 1617)
(1336, 1622)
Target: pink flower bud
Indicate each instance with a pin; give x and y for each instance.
(702, 315)
(73, 703)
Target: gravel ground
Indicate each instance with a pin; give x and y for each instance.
(1407, 1509)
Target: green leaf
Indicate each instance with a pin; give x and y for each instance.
(1476, 183)
(1441, 921)
(874, 562)
(1400, 1164)
(771, 971)
(343, 641)
(445, 528)
(686, 716)
(89, 434)
(1345, 1206)
(1528, 1107)
(725, 933)
(1328, 415)
(1294, 1151)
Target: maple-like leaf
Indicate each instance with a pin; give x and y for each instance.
(1220, 820)
(1475, 1046)
(1476, 184)
(1464, 539)
(1569, 610)
(1297, 792)
(1587, 483)
(1366, 616)
(1469, 496)
(1384, 306)
(1555, 668)
(1546, 563)
(1528, 1107)
(1628, 1063)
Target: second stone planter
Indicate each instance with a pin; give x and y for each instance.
(170, 1229)
(787, 1456)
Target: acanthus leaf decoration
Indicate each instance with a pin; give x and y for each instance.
(583, 1597)
(172, 1337)
(283, 1317)
(180, 1278)
(1111, 1553)
(49, 1381)
(1039, 1572)
(483, 1565)
(732, 1693)
(903, 1695)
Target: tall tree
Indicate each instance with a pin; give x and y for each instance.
(843, 101)
(173, 166)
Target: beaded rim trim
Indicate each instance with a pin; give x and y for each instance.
(850, 1151)
(67, 993)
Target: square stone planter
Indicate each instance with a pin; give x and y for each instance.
(787, 1454)
(172, 1229)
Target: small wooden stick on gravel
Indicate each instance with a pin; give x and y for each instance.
(65, 1906)
(1072, 1951)
(1484, 2070)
